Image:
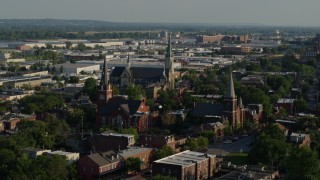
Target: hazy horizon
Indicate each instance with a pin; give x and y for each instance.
(270, 13)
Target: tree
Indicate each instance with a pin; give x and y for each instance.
(49, 46)
(81, 47)
(133, 164)
(270, 148)
(40, 102)
(61, 69)
(74, 117)
(303, 163)
(197, 144)
(135, 92)
(131, 130)
(90, 88)
(164, 151)
(68, 45)
(74, 79)
(160, 177)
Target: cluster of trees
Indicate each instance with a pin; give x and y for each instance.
(163, 152)
(35, 134)
(197, 144)
(271, 149)
(41, 102)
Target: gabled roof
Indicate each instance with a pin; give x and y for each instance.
(102, 159)
(207, 109)
(117, 71)
(131, 106)
(140, 72)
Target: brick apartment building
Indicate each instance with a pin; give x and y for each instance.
(186, 165)
(157, 141)
(110, 141)
(144, 154)
(105, 165)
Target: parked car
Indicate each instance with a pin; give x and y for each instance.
(227, 142)
(235, 139)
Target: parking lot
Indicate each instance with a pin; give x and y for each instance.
(242, 145)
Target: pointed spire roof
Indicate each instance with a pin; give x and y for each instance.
(240, 104)
(230, 87)
(104, 75)
(169, 53)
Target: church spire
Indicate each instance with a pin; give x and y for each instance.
(128, 61)
(230, 87)
(104, 75)
(240, 104)
(169, 50)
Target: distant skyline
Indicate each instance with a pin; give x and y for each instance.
(264, 12)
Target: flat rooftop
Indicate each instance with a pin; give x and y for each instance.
(185, 158)
(133, 150)
(285, 101)
(117, 135)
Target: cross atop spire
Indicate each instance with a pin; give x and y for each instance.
(230, 87)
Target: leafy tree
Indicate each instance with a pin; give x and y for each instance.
(74, 79)
(303, 163)
(197, 144)
(68, 45)
(160, 177)
(133, 164)
(81, 47)
(135, 92)
(61, 69)
(270, 148)
(74, 117)
(168, 119)
(90, 88)
(164, 151)
(131, 130)
(35, 134)
(210, 135)
(40, 102)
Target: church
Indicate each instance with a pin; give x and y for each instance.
(231, 110)
(146, 76)
(120, 112)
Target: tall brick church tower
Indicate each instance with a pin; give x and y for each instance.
(104, 90)
(230, 103)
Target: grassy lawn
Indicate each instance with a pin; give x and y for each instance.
(236, 158)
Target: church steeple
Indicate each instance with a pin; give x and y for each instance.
(104, 81)
(105, 91)
(169, 62)
(230, 87)
(230, 102)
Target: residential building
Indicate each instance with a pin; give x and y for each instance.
(299, 139)
(286, 104)
(69, 156)
(107, 165)
(110, 141)
(186, 165)
(158, 140)
(144, 154)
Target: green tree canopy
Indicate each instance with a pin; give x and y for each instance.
(303, 163)
(90, 88)
(135, 92)
(164, 151)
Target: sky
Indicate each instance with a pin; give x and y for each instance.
(264, 12)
